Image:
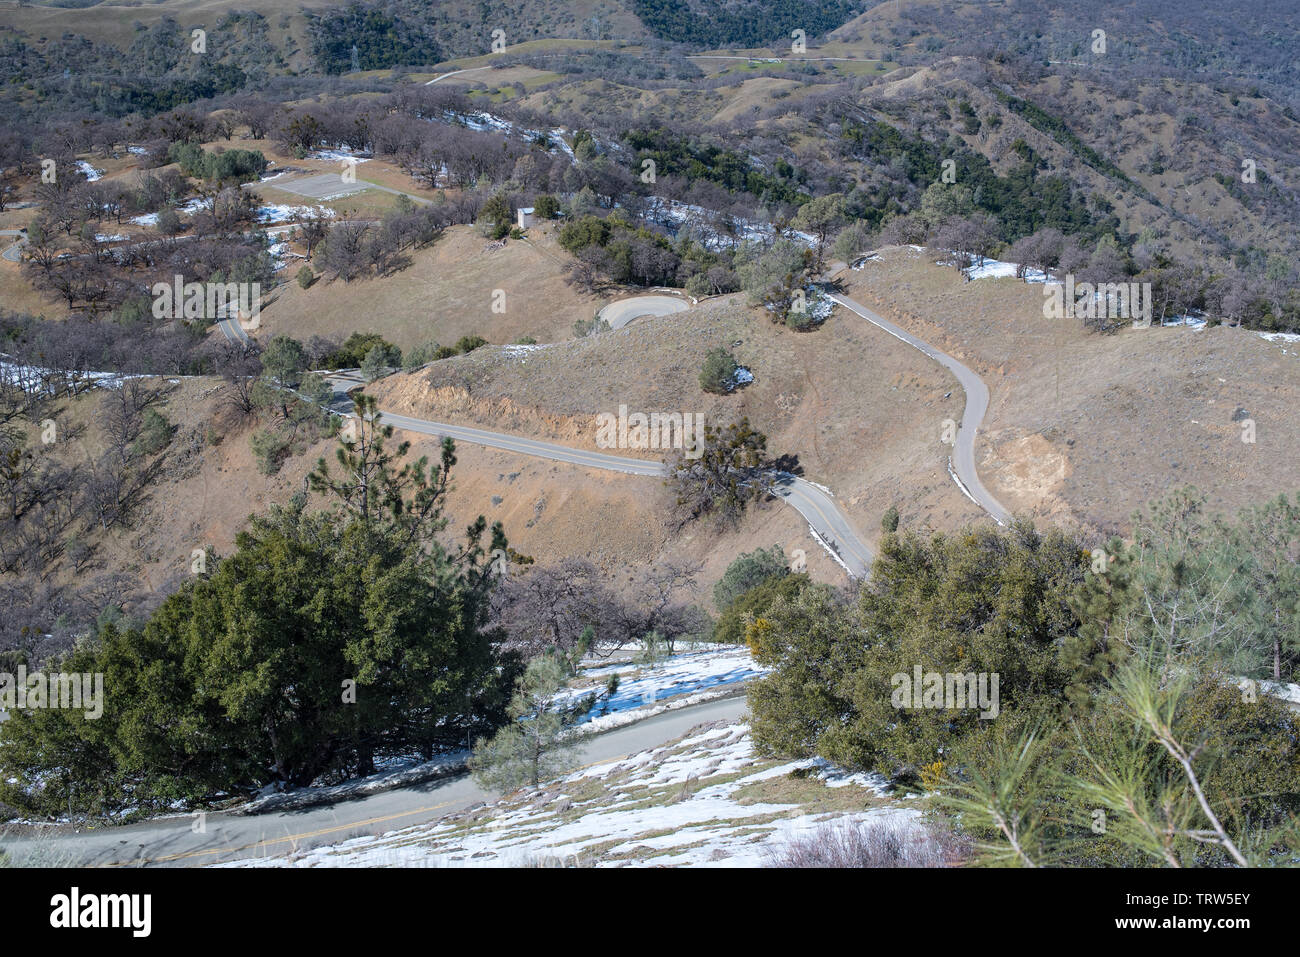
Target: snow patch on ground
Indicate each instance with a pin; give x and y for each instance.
(89, 171)
(284, 214)
(686, 674)
(712, 229)
(997, 269)
(677, 805)
(1186, 322)
(338, 154)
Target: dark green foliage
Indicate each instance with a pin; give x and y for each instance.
(675, 156)
(1056, 128)
(326, 639)
(534, 747)
(629, 255)
(752, 604)
(232, 165)
(732, 470)
(981, 601)
(750, 24)
(1022, 201)
(747, 571)
(155, 433)
(587, 231)
(353, 352)
(464, 346)
(380, 39)
(718, 374)
(889, 521)
(283, 362)
(496, 216)
(467, 344)
(1105, 790)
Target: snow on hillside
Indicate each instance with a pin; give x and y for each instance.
(715, 230)
(705, 800)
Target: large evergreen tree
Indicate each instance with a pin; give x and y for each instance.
(328, 637)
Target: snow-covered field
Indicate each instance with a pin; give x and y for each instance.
(286, 214)
(996, 269)
(687, 673)
(705, 800)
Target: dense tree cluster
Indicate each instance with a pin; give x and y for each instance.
(888, 679)
(328, 637)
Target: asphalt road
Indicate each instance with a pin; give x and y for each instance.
(14, 253)
(443, 76)
(227, 837)
(812, 502)
(619, 314)
(977, 403)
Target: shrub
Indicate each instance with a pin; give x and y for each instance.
(353, 352)
(718, 374)
(852, 843)
(419, 355)
(467, 344)
(271, 448)
(586, 327)
(889, 522)
(535, 746)
(306, 277)
(754, 604)
(155, 433)
(982, 601)
(746, 571)
(375, 364)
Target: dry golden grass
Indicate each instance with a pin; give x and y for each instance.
(1083, 427)
(863, 415)
(446, 293)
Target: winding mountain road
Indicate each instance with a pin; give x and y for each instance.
(14, 253)
(811, 501)
(817, 505)
(225, 837)
(962, 461)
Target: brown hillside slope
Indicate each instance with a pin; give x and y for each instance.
(1085, 427)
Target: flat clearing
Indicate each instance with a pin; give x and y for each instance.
(449, 290)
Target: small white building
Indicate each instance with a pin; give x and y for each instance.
(525, 216)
